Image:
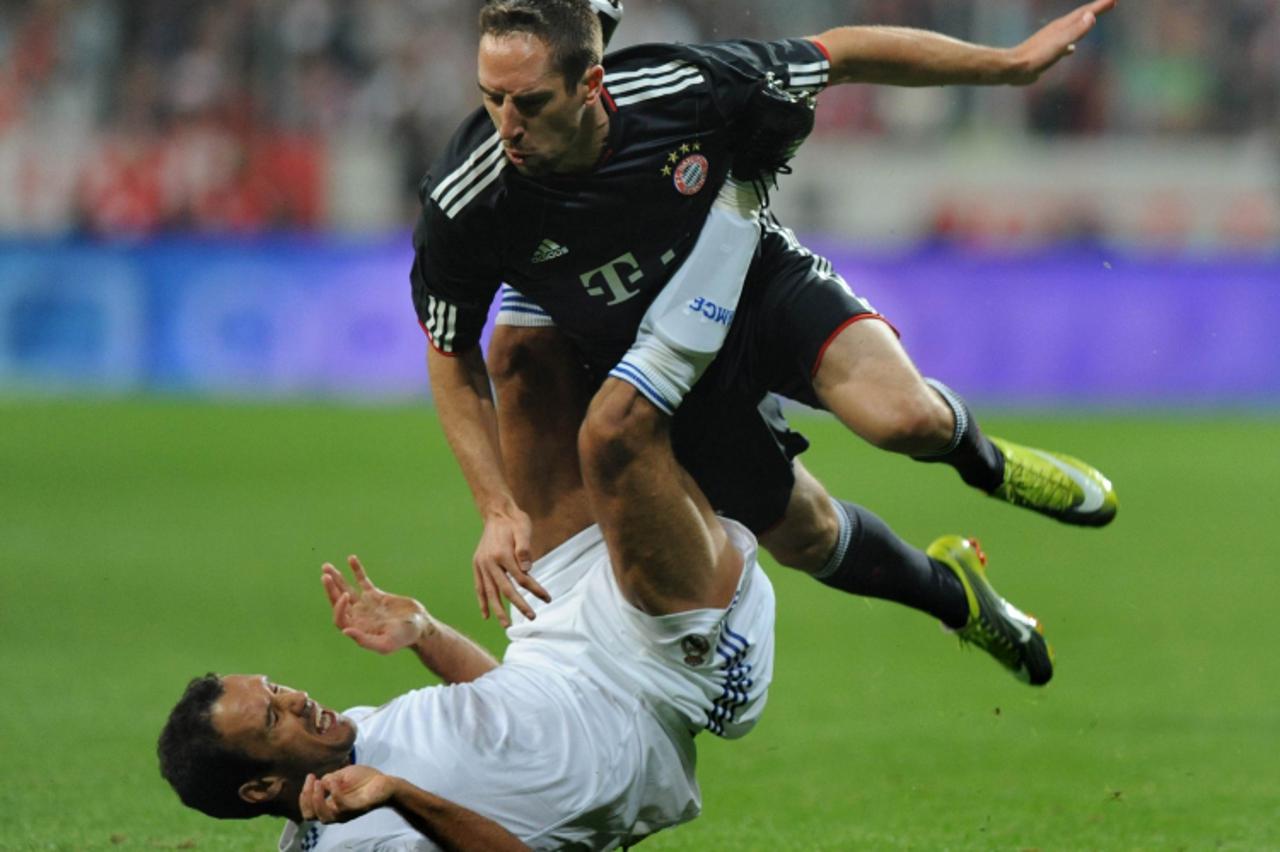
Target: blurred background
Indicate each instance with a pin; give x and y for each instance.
(215, 197)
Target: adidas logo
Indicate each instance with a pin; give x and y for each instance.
(549, 250)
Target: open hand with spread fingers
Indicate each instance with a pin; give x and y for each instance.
(374, 619)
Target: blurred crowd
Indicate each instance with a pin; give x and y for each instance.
(216, 114)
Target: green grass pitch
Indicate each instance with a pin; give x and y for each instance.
(145, 542)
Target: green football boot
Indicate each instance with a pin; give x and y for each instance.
(1052, 484)
(996, 626)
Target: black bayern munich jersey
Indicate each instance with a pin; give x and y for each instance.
(594, 249)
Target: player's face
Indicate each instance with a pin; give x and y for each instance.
(541, 122)
(282, 726)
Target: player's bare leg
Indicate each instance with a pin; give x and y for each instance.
(808, 533)
(542, 397)
(669, 551)
(867, 380)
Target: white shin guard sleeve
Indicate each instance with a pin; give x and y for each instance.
(687, 323)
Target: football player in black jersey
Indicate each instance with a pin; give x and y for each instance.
(587, 193)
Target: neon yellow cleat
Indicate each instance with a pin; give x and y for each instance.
(996, 626)
(1052, 484)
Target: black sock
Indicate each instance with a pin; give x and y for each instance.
(871, 560)
(978, 461)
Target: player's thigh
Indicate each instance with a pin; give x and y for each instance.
(537, 370)
(866, 379)
(822, 344)
(796, 305)
(542, 393)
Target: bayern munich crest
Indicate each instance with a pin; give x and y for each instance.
(691, 174)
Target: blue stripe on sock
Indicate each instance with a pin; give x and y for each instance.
(640, 382)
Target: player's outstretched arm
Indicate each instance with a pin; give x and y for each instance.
(355, 790)
(464, 403)
(385, 623)
(902, 56)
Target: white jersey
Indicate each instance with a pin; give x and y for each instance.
(583, 737)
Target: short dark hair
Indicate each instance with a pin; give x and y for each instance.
(202, 770)
(569, 27)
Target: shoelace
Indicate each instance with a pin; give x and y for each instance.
(1026, 477)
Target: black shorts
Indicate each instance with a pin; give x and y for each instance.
(729, 432)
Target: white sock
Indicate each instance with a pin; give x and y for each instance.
(686, 325)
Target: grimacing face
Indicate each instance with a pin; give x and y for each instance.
(541, 123)
(282, 726)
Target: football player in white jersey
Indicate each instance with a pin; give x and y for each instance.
(583, 737)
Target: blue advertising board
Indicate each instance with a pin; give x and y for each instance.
(310, 316)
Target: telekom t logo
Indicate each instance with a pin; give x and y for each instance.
(612, 279)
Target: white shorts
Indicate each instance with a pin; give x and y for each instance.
(584, 737)
(702, 669)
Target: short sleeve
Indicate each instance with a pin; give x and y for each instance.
(452, 277)
(801, 65)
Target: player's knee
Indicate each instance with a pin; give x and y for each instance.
(807, 535)
(619, 427)
(915, 423)
(807, 552)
